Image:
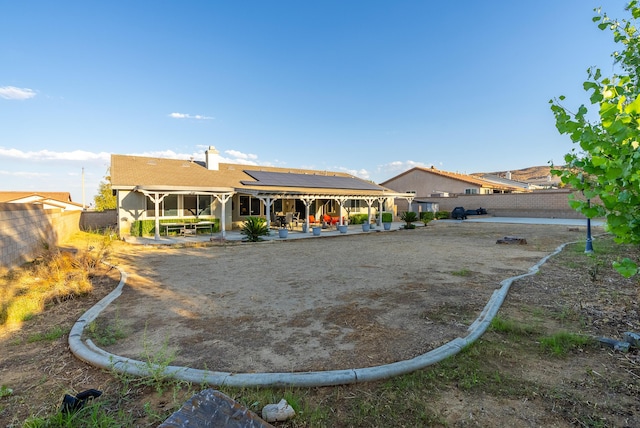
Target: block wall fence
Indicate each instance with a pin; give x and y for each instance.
(26, 229)
(545, 203)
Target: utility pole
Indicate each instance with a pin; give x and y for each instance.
(83, 204)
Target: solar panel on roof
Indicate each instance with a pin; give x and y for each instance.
(287, 179)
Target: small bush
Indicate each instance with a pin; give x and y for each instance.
(443, 215)
(426, 217)
(148, 227)
(254, 228)
(387, 217)
(409, 217)
(358, 218)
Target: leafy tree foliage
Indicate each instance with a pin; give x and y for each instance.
(606, 167)
(105, 200)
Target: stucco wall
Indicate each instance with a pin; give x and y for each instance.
(25, 229)
(543, 203)
(425, 183)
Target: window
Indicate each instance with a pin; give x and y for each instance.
(470, 191)
(189, 205)
(249, 206)
(204, 205)
(354, 203)
(168, 206)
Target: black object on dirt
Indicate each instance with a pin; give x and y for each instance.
(72, 404)
(459, 213)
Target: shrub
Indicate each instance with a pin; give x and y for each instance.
(387, 217)
(358, 218)
(408, 217)
(426, 217)
(148, 227)
(254, 228)
(440, 215)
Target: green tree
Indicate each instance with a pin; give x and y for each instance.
(105, 199)
(606, 167)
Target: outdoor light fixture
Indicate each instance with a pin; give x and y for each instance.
(589, 245)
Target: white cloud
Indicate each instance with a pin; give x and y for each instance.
(189, 116)
(48, 155)
(360, 173)
(235, 154)
(13, 93)
(24, 174)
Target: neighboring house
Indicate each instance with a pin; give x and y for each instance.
(425, 182)
(432, 182)
(158, 188)
(507, 181)
(518, 180)
(49, 200)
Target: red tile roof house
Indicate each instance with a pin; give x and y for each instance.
(158, 188)
(424, 183)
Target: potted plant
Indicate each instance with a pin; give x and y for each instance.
(283, 232)
(316, 230)
(366, 226)
(342, 228)
(387, 218)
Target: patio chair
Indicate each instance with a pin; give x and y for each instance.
(289, 220)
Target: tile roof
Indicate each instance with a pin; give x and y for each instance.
(131, 171)
(7, 196)
(460, 177)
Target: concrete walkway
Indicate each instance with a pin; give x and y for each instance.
(235, 235)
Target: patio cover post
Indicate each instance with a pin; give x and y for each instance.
(307, 203)
(156, 199)
(341, 202)
(369, 201)
(380, 202)
(223, 200)
(267, 203)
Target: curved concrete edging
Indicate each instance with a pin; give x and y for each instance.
(96, 356)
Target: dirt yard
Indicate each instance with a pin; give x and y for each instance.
(336, 303)
(319, 304)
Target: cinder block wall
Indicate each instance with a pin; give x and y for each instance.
(94, 220)
(25, 229)
(547, 204)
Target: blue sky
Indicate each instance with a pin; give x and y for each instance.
(372, 88)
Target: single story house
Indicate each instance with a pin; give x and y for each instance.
(431, 181)
(158, 188)
(49, 200)
(424, 183)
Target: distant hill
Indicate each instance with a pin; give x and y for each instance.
(532, 174)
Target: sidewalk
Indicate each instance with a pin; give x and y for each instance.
(235, 235)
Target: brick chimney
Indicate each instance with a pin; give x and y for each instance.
(212, 158)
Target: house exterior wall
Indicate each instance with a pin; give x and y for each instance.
(133, 207)
(424, 184)
(26, 228)
(542, 203)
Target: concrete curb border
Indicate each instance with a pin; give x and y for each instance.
(87, 351)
